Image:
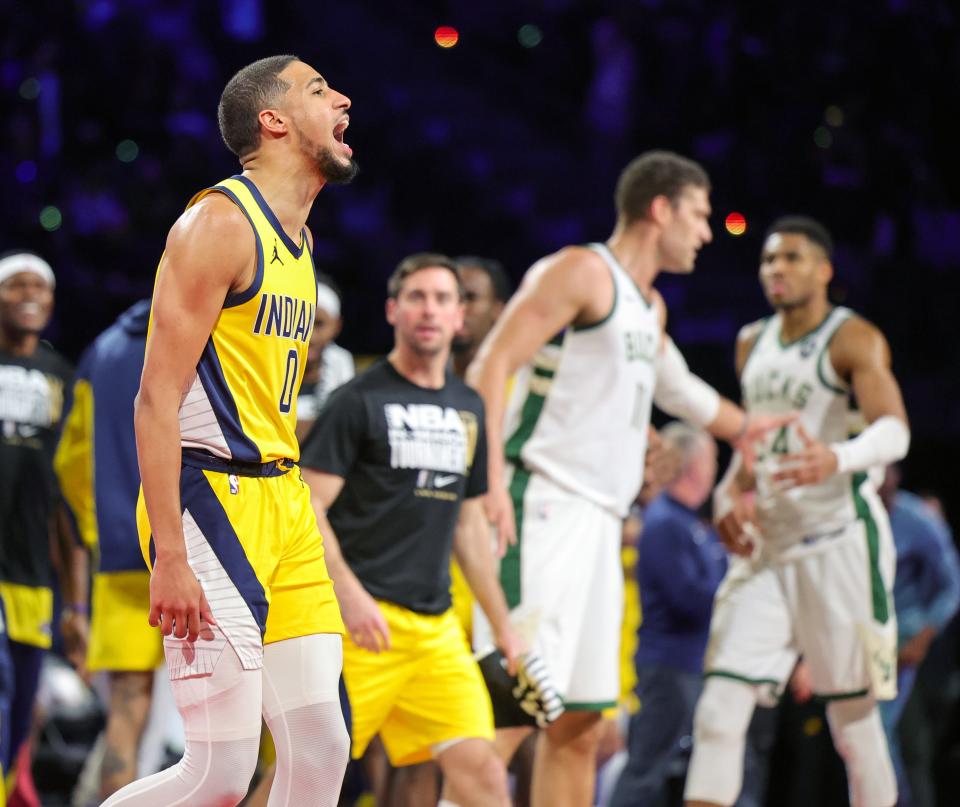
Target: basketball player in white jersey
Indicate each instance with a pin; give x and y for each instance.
(585, 335)
(817, 571)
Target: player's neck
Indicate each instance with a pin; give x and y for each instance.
(424, 371)
(634, 248)
(287, 188)
(18, 343)
(797, 321)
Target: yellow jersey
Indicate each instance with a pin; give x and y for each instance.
(241, 405)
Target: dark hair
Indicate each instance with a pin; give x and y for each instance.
(803, 225)
(253, 88)
(416, 262)
(499, 280)
(323, 279)
(653, 174)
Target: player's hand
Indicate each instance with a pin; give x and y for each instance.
(813, 464)
(661, 464)
(755, 429)
(75, 630)
(364, 620)
(736, 526)
(511, 644)
(801, 683)
(915, 650)
(498, 506)
(177, 602)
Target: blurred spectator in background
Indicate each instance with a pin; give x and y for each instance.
(328, 364)
(926, 595)
(486, 289)
(680, 565)
(34, 382)
(96, 465)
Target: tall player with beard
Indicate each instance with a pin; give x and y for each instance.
(239, 585)
(818, 573)
(586, 333)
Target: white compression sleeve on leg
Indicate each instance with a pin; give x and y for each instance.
(719, 737)
(221, 718)
(301, 704)
(884, 441)
(859, 738)
(679, 392)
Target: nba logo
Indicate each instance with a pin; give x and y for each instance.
(234, 484)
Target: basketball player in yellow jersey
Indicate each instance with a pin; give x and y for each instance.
(239, 587)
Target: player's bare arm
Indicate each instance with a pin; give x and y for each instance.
(733, 510)
(208, 254)
(684, 395)
(572, 286)
(861, 357)
(473, 551)
(361, 614)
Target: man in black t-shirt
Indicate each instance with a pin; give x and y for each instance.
(396, 464)
(34, 380)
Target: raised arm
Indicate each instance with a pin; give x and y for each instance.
(567, 287)
(210, 252)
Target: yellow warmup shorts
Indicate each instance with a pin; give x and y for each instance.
(254, 544)
(121, 638)
(425, 690)
(29, 613)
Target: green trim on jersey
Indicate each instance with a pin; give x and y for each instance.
(841, 696)
(742, 678)
(529, 415)
(510, 564)
(588, 706)
(613, 307)
(825, 351)
(878, 592)
(766, 324)
(806, 335)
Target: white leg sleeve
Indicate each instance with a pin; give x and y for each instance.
(859, 739)
(221, 718)
(301, 704)
(719, 738)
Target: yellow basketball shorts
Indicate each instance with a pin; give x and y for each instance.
(121, 638)
(425, 690)
(254, 545)
(29, 613)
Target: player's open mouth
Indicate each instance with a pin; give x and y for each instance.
(338, 131)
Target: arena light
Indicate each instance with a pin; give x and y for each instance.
(529, 36)
(736, 223)
(51, 218)
(446, 36)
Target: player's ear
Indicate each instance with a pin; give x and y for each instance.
(392, 310)
(661, 210)
(272, 121)
(826, 270)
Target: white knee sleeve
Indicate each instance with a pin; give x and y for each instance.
(221, 718)
(301, 704)
(719, 737)
(859, 739)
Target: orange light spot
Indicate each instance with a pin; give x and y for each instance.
(446, 36)
(736, 224)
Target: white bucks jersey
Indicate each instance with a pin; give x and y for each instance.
(579, 412)
(798, 376)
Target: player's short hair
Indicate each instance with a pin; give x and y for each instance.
(499, 280)
(653, 174)
(252, 88)
(803, 225)
(421, 260)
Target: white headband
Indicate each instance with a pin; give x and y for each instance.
(328, 300)
(26, 262)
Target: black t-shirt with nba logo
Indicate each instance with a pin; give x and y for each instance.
(408, 456)
(32, 402)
